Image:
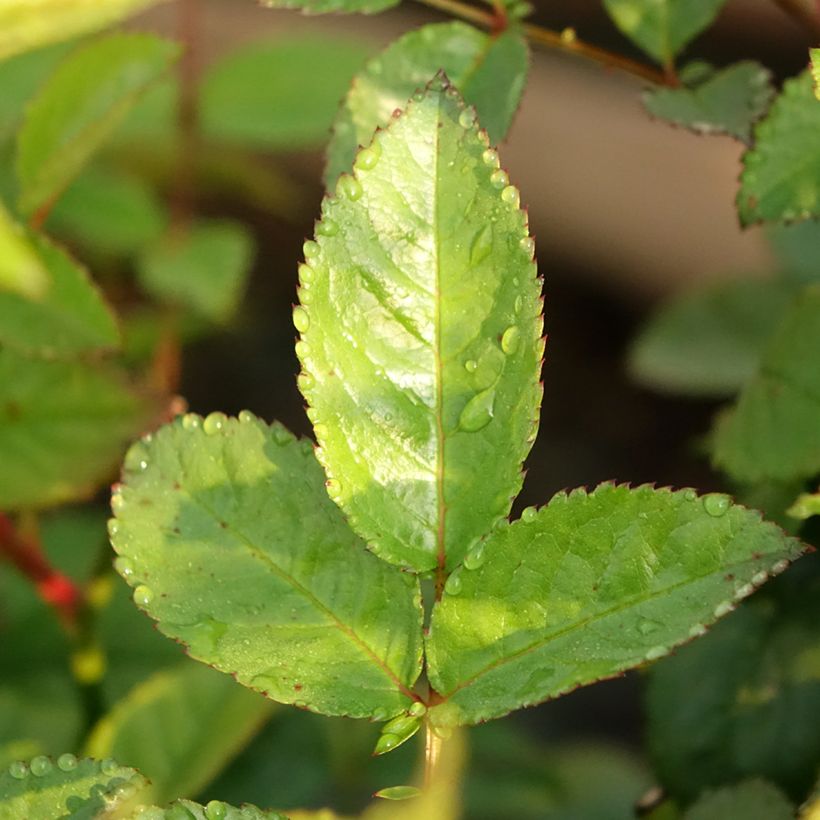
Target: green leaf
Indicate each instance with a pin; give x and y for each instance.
(188, 810)
(814, 55)
(662, 28)
(180, 727)
(587, 587)
(80, 789)
(489, 71)
(209, 507)
(324, 6)
(798, 249)
(781, 174)
(753, 800)
(423, 410)
(716, 102)
(773, 431)
(807, 505)
(708, 342)
(27, 24)
(82, 103)
(63, 426)
(109, 212)
(279, 94)
(22, 272)
(745, 700)
(204, 268)
(69, 318)
(398, 792)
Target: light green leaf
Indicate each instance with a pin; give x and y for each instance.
(68, 319)
(324, 6)
(81, 104)
(421, 337)
(22, 272)
(729, 101)
(807, 505)
(188, 810)
(63, 426)
(745, 700)
(489, 71)
(80, 789)
(708, 342)
(587, 587)
(781, 174)
(27, 24)
(814, 55)
(180, 728)
(208, 507)
(662, 28)
(109, 212)
(279, 94)
(774, 430)
(752, 800)
(204, 268)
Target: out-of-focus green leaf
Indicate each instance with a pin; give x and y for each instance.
(207, 506)
(63, 426)
(424, 410)
(204, 268)
(81, 104)
(774, 430)
(69, 318)
(489, 71)
(587, 587)
(28, 24)
(22, 272)
(53, 790)
(752, 800)
(662, 28)
(278, 94)
(109, 212)
(807, 505)
(798, 248)
(781, 174)
(745, 700)
(814, 55)
(708, 342)
(324, 6)
(180, 728)
(715, 102)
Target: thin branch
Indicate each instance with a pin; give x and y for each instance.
(802, 15)
(566, 41)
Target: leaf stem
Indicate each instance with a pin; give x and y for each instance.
(27, 555)
(432, 754)
(566, 40)
(802, 15)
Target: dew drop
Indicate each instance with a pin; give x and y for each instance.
(368, 158)
(191, 421)
(453, 584)
(418, 709)
(499, 179)
(280, 434)
(321, 431)
(67, 762)
(246, 417)
(40, 766)
(178, 812)
(528, 245)
(214, 423)
(511, 196)
(117, 502)
(723, 609)
(490, 157)
(518, 304)
(478, 412)
(350, 188)
(302, 349)
(109, 767)
(306, 274)
(690, 495)
(301, 320)
(656, 652)
(744, 590)
(204, 635)
(475, 557)
(124, 567)
(646, 626)
(759, 578)
(305, 381)
(716, 504)
(18, 770)
(529, 514)
(510, 339)
(143, 595)
(471, 365)
(466, 119)
(113, 527)
(697, 631)
(780, 566)
(215, 810)
(327, 227)
(311, 249)
(482, 245)
(379, 714)
(334, 488)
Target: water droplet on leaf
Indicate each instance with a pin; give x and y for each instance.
(301, 320)
(656, 652)
(143, 595)
(109, 767)
(18, 770)
(246, 417)
(471, 365)
(453, 584)
(40, 766)
(327, 227)
(499, 179)
(305, 381)
(510, 340)
(191, 421)
(368, 158)
(216, 810)
(723, 609)
(647, 626)
(511, 196)
(124, 567)
(311, 249)
(466, 118)
(476, 556)
(334, 488)
(350, 187)
(716, 504)
(418, 709)
(478, 412)
(490, 157)
(529, 514)
(528, 245)
(67, 762)
(214, 423)
(482, 245)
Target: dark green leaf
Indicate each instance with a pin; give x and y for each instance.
(723, 102)
(773, 431)
(708, 342)
(781, 174)
(753, 800)
(489, 71)
(204, 268)
(209, 507)
(423, 409)
(63, 426)
(81, 104)
(662, 28)
(587, 587)
(745, 700)
(279, 94)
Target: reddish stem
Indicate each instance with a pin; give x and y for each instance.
(54, 588)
